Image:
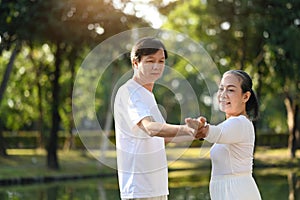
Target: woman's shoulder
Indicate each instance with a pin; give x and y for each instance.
(241, 124)
(239, 120)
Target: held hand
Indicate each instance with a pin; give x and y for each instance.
(202, 132)
(199, 125)
(196, 123)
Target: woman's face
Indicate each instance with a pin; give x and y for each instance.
(231, 99)
(151, 67)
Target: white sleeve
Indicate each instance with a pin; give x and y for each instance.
(213, 134)
(137, 110)
(230, 131)
(129, 108)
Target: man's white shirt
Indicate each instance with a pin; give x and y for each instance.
(141, 159)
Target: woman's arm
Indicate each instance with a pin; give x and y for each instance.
(230, 131)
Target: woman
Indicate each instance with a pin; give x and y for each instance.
(232, 153)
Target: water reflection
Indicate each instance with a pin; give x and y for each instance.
(183, 186)
(89, 189)
(294, 186)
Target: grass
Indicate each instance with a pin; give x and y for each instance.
(32, 163)
(276, 162)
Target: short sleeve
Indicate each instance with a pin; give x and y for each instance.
(137, 110)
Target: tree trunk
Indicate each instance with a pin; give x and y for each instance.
(69, 143)
(106, 133)
(41, 141)
(52, 159)
(292, 114)
(39, 68)
(3, 86)
(9, 69)
(3, 152)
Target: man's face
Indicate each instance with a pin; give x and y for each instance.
(151, 67)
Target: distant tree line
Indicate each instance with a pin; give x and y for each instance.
(43, 43)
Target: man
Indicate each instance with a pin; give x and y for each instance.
(141, 130)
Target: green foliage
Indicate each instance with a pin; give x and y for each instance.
(257, 36)
(19, 106)
(283, 45)
(75, 26)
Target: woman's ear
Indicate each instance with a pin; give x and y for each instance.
(246, 96)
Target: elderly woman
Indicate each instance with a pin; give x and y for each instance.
(232, 153)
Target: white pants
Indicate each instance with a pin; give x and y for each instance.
(234, 187)
(150, 198)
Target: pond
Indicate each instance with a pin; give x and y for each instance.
(275, 184)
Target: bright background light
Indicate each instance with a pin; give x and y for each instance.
(143, 9)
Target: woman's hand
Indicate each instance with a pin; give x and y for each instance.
(199, 125)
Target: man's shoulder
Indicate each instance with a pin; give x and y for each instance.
(125, 87)
(132, 88)
(129, 85)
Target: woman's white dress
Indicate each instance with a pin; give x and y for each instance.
(232, 160)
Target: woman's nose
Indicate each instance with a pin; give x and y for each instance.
(223, 94)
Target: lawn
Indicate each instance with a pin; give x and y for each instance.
(32, 163)
(22, 163)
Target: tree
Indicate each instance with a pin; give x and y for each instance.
(256, 36)
(68, 28)
(8, 41)
(2, 89)
(284, 60)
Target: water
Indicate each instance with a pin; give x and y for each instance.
(184, 185)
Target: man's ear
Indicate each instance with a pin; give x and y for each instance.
(246, 96)
(135, 64)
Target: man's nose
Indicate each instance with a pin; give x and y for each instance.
(155, 65)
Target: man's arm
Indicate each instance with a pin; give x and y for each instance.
(199, 125)
(179, 139)
(153, 128)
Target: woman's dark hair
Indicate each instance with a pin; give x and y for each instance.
(246, 85)
(146, 46)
